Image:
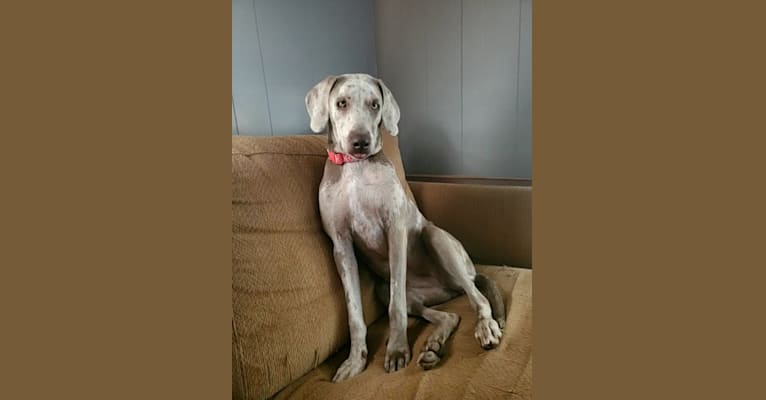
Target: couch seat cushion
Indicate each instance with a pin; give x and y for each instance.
(467, 371)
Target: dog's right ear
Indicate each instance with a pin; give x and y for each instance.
(317, 104)
(390, 110)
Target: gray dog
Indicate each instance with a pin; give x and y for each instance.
(364, 207)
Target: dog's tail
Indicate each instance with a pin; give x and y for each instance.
(488, 288)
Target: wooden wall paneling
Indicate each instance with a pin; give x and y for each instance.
(521, 157)
(491, 33)
(302, 43)
(248, 85)
(419, 59)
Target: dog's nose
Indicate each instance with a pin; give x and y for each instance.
(361, 144)
(360, 141)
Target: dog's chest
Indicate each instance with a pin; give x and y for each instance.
(368, 219)
(372, 198)
(369, 197)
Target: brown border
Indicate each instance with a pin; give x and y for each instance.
(648, 207)
(116, 200)
(116, 278)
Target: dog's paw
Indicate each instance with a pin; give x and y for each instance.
(350, 368)
(488, 333)
(397, 357)
(431, 355)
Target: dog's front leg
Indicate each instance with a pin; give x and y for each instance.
(345, 261)
(397, 350)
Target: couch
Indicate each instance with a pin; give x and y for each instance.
(289, 324)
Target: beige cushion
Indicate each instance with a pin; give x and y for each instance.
(289, 311)
(467, 372)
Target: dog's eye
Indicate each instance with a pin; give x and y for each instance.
(342, 104)
(375, 105)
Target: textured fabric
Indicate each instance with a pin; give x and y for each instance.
(494, 223)
(289, 311)
(467, 372)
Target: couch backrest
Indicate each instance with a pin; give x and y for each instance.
(289, 311)
(494, 223)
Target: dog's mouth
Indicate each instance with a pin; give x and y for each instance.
(359, 156)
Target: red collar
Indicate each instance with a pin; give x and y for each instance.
(340, 158)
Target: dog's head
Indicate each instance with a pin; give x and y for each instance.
(352, 108)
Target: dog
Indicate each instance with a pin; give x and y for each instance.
(366, 212)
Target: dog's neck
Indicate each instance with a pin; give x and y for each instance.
(342, 158)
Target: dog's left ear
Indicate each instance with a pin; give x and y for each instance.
(389, 110)
(317, 100)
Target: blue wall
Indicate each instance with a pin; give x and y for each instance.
(281, 48)
(461, 71)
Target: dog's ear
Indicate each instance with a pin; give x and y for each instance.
(389, 110)
(317, 103)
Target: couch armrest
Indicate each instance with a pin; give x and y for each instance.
(494, 223)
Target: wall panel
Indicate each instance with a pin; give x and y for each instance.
(521, 159)
(248, 86)
(419, 59)
(281, 48)
(461, 71)
(302, 42)
(490, 91)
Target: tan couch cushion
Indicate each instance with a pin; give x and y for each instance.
(467, 372)
(289, 312)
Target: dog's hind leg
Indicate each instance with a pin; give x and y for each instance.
(433, 349)
(488, 288)
(458, 270)
(445, 322)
